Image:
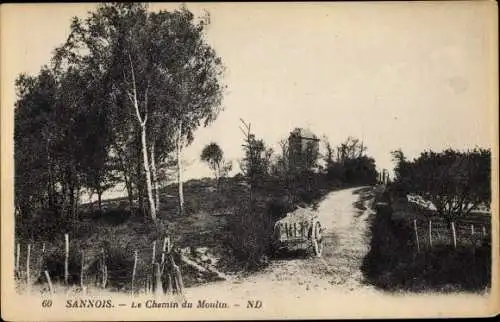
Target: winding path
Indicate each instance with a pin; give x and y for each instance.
(346, 242)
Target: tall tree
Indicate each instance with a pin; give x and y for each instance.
(213, 155)
(162, 81)
(256, 164)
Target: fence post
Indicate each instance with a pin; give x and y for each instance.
(430, 233)
(66, 258)
(42, 258)
(158, 286)
(179, 285)
(81, 271)
(51, 289)
(454, 234)
(416, 234)
(104, 268)
(164, 249)
(170, 288)
(133, 270)
(18, 253)
(154, 252)
(28, 282)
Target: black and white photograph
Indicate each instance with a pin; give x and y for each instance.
(204, 161)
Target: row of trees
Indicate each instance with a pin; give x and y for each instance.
(278, 181)
(120, 100)
(456, 182)
(297, 166)
(348, 163)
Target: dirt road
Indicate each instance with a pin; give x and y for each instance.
(346, 243)
(301, 286)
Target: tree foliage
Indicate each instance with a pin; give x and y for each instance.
(351, 165)
(213, 155)
(127, 89)
(456, 182)
(256, 164)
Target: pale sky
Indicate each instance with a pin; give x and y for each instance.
(419, 76)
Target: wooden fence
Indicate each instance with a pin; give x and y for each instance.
(152, 270)
(434, 231)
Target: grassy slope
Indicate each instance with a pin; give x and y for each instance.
(203, 225)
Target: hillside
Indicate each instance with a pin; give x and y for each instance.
(202, 234)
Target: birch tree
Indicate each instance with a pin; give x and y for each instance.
(162, 82)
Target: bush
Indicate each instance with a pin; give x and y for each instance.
(54, 264)
(249, 236)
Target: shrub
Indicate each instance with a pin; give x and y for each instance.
(249, 236)
(54, 264)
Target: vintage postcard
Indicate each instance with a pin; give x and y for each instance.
(215, 161)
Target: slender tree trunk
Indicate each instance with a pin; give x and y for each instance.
(149, 187)
(133, 97)
(71, 206)
(77, 202)
(51, 188)
(99, 200)
(126, 167)
(179, 170)
(155, 179)
(140, 188)
(130, 193)
(218, 175)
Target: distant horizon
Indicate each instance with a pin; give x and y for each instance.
(392, 82)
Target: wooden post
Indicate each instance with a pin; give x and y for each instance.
(158, 286)
(81, 271)
(416, 234)
(153, 269)
(104, 268)
(473, 246)
(430, 233)
(179, 285)
(154, 252)
(51, 289)
(18, 253)
(42, 259)
(28, 282)
(454, 234)
(169, 289)
(133, 270)
(163, 251)
(66, 258)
